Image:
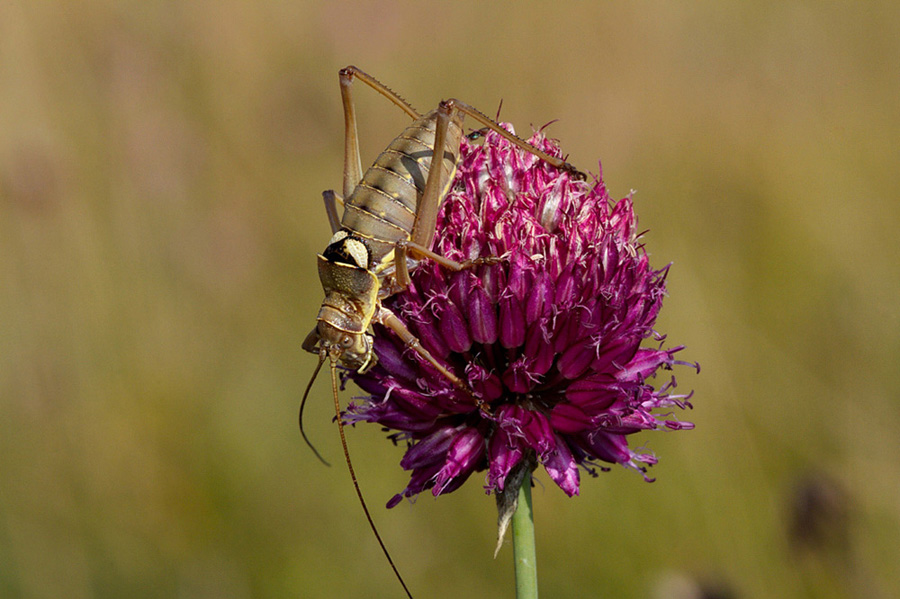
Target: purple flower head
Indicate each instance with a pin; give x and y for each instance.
(549, 338)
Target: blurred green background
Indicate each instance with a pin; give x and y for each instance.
(161, 165)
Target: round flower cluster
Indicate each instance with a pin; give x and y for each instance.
(548, 338)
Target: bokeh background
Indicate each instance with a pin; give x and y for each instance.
(161, 165)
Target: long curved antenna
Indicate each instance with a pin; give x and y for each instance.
(337, 412)
(303, 404)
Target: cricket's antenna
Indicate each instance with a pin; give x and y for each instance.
(303, 404)
(362, 502)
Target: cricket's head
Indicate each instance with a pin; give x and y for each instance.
(353, 349)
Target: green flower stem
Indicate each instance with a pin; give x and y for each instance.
(524, 552)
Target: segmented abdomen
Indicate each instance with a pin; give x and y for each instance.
(382, 208)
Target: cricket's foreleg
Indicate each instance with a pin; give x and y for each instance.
(390, 320)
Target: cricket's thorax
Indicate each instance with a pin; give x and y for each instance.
(351, 299)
